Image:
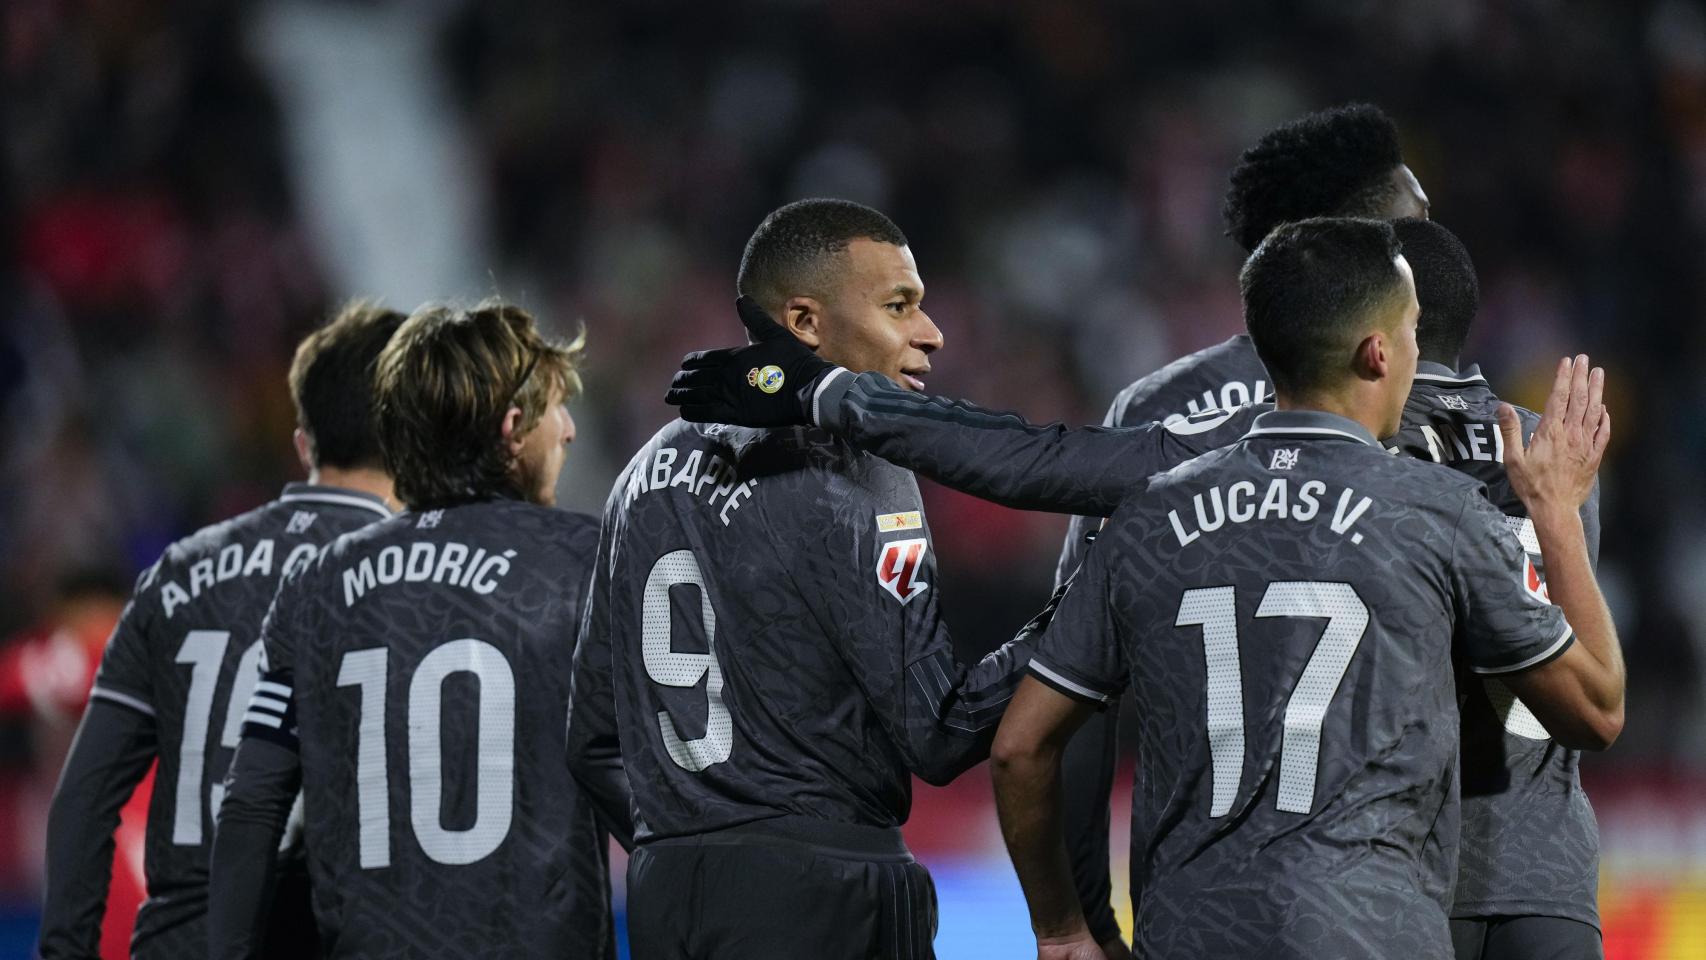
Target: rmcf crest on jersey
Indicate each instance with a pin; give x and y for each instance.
(898, 565)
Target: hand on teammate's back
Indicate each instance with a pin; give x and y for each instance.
(1558, 467)
(767, 383)
(1083, 947)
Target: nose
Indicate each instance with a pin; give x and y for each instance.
(568, 428)
(928, 337)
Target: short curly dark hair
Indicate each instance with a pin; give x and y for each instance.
(1332, 163)
(1446, 287)
(331, 384)
(443, 387)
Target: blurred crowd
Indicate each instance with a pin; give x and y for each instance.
(1058, 167)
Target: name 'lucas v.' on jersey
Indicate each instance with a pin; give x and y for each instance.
(1284, 610)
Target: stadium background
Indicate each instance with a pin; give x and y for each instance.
(188, 186)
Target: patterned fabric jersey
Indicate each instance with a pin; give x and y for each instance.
(763, 637)
(185, 653)
(1530, 842)
(421, 667)
(1284, 610)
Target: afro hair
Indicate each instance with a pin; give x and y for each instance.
(1335, 162)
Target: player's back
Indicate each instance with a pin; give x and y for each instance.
(186, 654)
(1530, 840)
(431, 668)
(1286, 610)
(737, 580)
(1220, 377)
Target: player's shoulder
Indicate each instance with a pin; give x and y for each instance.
(1157, 394)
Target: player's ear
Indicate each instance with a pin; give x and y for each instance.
(803, 317)
(1373, 359)
(304, 450)
(511, 430)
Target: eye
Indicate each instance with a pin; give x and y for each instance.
(897, 307)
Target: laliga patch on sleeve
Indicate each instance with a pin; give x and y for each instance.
(1532, 583)
(890, 522)
(898, 566)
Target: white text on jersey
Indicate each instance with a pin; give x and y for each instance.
(426, 560)
(230, 562)
(717, 475)
(1238, 504)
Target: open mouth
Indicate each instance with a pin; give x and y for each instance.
(911, 379)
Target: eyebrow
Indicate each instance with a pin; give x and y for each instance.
(909, 292)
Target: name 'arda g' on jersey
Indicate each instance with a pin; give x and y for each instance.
(186, 653)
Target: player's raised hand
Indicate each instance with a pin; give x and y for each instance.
(1558, 467)
(767, 383)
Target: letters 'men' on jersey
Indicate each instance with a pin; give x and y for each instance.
(1284, 610)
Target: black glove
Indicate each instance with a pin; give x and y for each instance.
(767, 383)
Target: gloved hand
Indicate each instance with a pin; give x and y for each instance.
(767, 383)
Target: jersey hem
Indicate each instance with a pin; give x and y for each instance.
(1491, 909)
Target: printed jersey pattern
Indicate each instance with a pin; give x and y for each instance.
(1530, 841)
(765, 608)
(186, 653)
(1284, 609)
(1222, 377)
(426, 660)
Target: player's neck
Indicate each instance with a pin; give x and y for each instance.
(1455, 362)
(1353, 405)
(360, 479)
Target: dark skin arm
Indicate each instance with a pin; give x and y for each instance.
(1025, 765)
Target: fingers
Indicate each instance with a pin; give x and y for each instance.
(757, 322)
(1602, 434)
(1579, 377)
(1558, 402)
(702, 359)
(1510, 427)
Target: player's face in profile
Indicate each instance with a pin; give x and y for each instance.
(876, 321)
(540, 458)
(1402, 351)
(1408, 200)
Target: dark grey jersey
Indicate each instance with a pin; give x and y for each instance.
(184, 654)
(764, 640)
(422, 665)
(1222, 377)
(1285, 611)
(1005, 459)
(1530, 842)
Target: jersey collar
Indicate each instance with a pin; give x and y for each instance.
(1310, 424)
(1429, 372)
(334, 496)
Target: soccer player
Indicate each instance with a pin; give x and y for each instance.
(417, 678)
(765, 605)
(1344, 161)
(1528, 872)
(1285, 610)
(177, 673)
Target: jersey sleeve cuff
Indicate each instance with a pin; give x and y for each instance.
(123, 699)
(827, 396)
(1552, 652)
(1061, 683)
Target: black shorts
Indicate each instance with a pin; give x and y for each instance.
(784, 889)
(1525, 938)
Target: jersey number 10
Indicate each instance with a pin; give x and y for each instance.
(1215, 609)
(494, 768)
